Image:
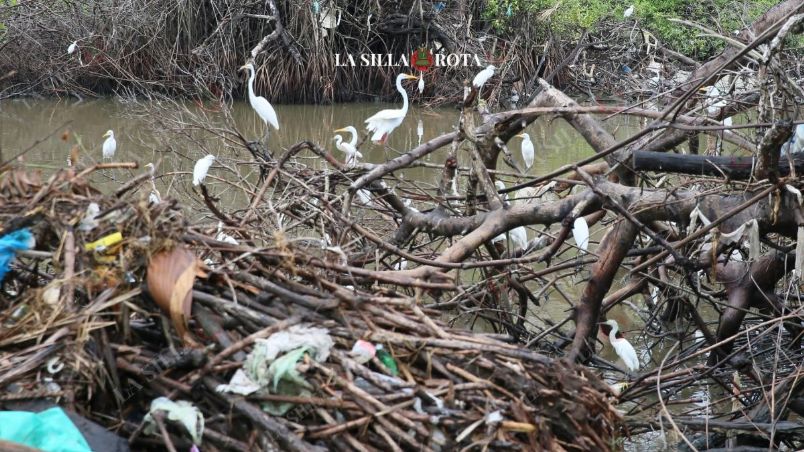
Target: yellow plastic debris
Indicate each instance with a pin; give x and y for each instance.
(105, 242)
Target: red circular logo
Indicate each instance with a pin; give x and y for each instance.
(421, 59)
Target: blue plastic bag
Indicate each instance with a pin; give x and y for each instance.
(21, 239)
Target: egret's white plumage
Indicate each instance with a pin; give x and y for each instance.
(201, 168)
(421, 83)
(629, 11)
(401, 265)
(364, 197)
(349, 149)
(527, 150)
(483, 76)
(224, 237)
(260, 104)
(622, 347)
(72, 48)
(110, 145)
(518, 235)
(384, 122)
(580, 232)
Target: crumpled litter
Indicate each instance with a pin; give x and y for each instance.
(262, 368)
(19, 240)
(181, 411)
(90, 222)
(50, 430)
(749, 228)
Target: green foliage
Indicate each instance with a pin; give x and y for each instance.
(570, 17)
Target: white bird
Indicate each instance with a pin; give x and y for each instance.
(421, 82)
(629, 11)
(260, 104)
(110, 145)
(527, 150)
(728, 122)
(352, 154)
(580, 232)
(622, 347)
(401, 265)
(518, 235)
(483, 76)
(71, 49)
(201, 168)
(224, 237)
(420, 131)
(385, 121)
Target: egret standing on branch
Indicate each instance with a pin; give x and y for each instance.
(527, 150)
(384, 122)
(352, 154)
(483, 76)
(110, 145)
(622, 347)
(628, 12)
(201, 169)
(260, 104)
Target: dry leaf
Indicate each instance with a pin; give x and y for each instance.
(171, 275)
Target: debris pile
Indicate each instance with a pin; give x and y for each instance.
(174, 337)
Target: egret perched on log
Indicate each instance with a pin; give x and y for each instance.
(352, 154)
(384, 122)
(260, 104)
(622, 347)
(519, 235)
(527, 150)
(110, 145)
(483, 76)
(201, 168)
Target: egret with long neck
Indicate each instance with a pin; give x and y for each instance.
(260, 104)
(384, 122)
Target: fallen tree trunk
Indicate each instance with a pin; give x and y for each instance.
(736, 168)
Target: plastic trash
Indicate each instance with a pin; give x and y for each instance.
(259, 370)
(50, 430)
(180, 411)
(19, 240)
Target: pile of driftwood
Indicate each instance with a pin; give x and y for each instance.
(121, 301)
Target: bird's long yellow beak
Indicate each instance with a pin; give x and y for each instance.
(243, 67)
(411, 77)
(340, 130)
(521, 135)
(105, 135)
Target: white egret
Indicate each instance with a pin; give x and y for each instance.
(385, 121)
(421, 82)
(483, 76)
(622, 347)
(224, 237)
(629, 12)
(352, 154)
(419, 131)
(260, 104)
(580, 232)
(527, 150)
(518, 235)
(364, 197)
(201, 168)
(110, 145)
(72, 48)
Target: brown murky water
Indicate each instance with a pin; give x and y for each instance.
(25, 121)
